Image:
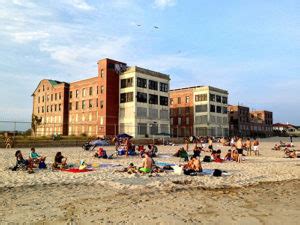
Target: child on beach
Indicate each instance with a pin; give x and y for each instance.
(22, 163)
(35, 157)
(228, 156)
(60, 161)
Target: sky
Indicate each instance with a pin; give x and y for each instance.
(250, 48)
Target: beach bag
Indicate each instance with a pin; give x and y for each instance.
(206, 159)
(217, 173)
(42, 165)
(178, 170)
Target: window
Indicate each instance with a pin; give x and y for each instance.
(212, 108)
(83, 104)
(70, 106)
(201, 108)
(51, 97)
(171, 101)
(43, 109)
(201, 98)
(187, 110)
(153, 99)
(179, 100)
(218, 98)
(153, 129)
(179, 120)
(47, 108)
(140, 82)
(187, 121)
(39, 99)
(97, 90)
(59, 96)
(141, 112)
(153, 85)
(91, 91)
(142, 128)
(76, 105)
(201, 119)
(38, 109)
(43, 100)
(164, 87)
(51, 108)
(90, 103)
(187, 99)
(59, 107)
(224, 100)
(219, 109)
(101, 104)
(126, 97)
(76, 93)
(153, 113)
(83, 92)
(101, 73)
(212, 97)
(225, 110)
(141, 97)
(101, 89)
(163, 100)
(55, 107)
(70, 94)
(126, 82)
(164, 114)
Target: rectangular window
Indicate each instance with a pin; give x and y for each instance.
(71, 94)
(218, 97)
(55, 97)
(142, 83)
(77, 105)
(101, 73)
(142, 128)
(97, 90)
(187, 110)
(51, 97)
(59, 107)
(164, 114)
(201, 108)
(153, 99)
(201, 98)
(153, 113)
(91, 91)
(101, 89)
(97, 102)
(153, 129)
(179, 100)
(43, 109)
(212, 97)
(187, 121)
(51, 108)
(141, 112)
(55, 107)
(219, 109)
(212, 108)
(90, 103)
(70, 106)
(101, 104)
(141, 97)
(76, 93)
(187, 99)
(179, 121)
(225, 110)
(59, 96)
(163, 100)
(224, 100)
(153, 85)
(47, 108)
(171, 101)
(83, 92)
(126, 82)
(163, 87)
(126, 97)
(83, 104)
(39, 99)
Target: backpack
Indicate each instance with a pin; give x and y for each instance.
(206, 159)
(217, 173)
(42, 165)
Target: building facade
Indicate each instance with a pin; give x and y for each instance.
(244, 122)
(104, 105)
(199, 111)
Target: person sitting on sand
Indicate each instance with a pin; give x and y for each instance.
(235, 155)
(193, 166)
(101, 153)
(197, 150)
(182, 153)
(22, 163)
(213, 155)
(276, 147)
(152, 150)
(218, 156)
(147, 164)
(35, 157)
(228, 156)
(60, 162)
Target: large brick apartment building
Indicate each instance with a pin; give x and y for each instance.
(98, 105)
(199, 111)
(246, 123)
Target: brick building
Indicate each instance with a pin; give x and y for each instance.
(245, 123)
(92, 106)
(199, 111)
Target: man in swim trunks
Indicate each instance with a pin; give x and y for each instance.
(147, 164)
(239, 148)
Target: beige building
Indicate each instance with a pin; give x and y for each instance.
(144, 103)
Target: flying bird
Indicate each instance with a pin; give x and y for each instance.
(156, 27)
(139, 25)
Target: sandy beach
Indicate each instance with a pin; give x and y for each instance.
(260, 190)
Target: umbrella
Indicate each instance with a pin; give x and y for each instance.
(123, 136)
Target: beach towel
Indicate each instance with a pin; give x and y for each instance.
(76, 170)
(164, 156)
(162, 164)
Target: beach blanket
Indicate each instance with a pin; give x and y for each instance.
(107, 165)
(76, 170)
(162, 164)
(164, 156)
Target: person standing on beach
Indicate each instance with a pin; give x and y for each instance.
(256, 147)
(239, 147)
(248, 146)
(210, 144)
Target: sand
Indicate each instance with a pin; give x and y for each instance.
(104, 196)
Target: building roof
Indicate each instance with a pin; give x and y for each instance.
(55, 82)
(201, 86)
(283, 125)
(148, 72)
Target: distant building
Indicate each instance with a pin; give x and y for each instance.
(199, 111)
(242, 122)
(119, 99)
(287, 129)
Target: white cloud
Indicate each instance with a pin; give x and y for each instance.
(161, 4)
(24, 3)
(80, 4)
(24, 37)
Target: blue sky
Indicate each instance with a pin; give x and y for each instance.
(250, 48)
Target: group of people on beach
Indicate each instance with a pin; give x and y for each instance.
(35, 160)
(287, 148)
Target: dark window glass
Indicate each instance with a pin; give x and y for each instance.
(126, 83)
(224, 100)
(201, 108)
(225, 110)
(126, 97)
(153, 85)
(219, 109)
(153, 99)
(178, 100)
(163, 100)
(218, 98)
(212, 108)
(141, 82)
(164, 87)
(141, 97)
(71, 94)
(201, 97)
(212, 97)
